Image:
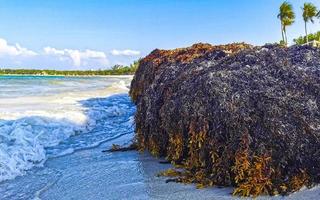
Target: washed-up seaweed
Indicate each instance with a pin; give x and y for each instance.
(118, 148)
(232, 115)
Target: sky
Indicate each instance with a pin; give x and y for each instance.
(97, 34)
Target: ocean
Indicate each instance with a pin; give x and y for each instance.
(49, 116)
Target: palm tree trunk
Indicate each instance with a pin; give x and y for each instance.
(306, 30)
(285, 35)
(282, 32)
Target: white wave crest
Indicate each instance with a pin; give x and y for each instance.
(31, 125)
(23, 142)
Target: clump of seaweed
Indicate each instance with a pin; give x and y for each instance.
(232, 115)
(118, 148)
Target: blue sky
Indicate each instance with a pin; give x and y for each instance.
(92, 34)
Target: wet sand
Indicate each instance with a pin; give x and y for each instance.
(92, 175)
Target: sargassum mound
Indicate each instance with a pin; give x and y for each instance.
(233, 115)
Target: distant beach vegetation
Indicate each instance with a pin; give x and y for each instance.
(311, 37)
(115, 70)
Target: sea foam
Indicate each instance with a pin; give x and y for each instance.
(34, 127)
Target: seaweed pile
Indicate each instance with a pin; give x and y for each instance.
(233, 115)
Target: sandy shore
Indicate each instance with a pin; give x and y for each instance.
(92, 175)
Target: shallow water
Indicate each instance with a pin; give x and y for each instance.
(43, 117)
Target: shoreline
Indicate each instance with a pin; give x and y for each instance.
(98, 175)
(41, 75)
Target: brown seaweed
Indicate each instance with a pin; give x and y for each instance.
(232, 115)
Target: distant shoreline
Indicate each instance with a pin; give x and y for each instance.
(117, 70)
(125, 75)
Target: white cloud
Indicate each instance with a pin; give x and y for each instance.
(16, 55)
(14, 50)
(126, 52)
(53, 51)
(77, 56)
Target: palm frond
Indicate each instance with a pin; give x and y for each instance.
(309, 12)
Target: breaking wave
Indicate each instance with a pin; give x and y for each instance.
(35, 128)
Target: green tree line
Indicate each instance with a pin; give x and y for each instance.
(287, 17)
(115, 70)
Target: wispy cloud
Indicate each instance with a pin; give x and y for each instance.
(14, 50)
(77, 56)
(126, 52)
(15, 55)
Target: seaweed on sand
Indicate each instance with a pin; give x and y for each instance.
(118, 148)
(233, 115)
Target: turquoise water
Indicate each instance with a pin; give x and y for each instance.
(15, 86)
(50, 116)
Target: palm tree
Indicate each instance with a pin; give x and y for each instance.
(286, 16)
(309, 12)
